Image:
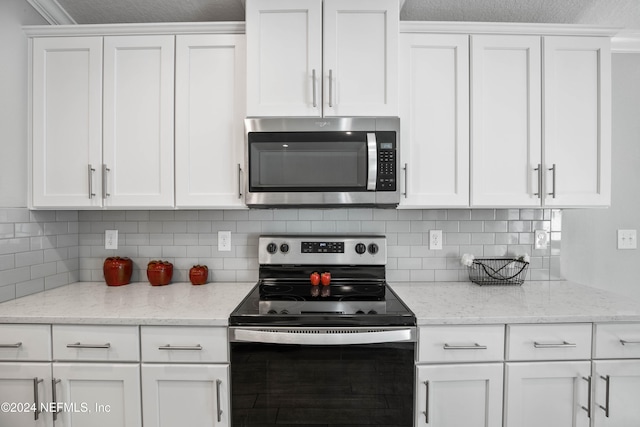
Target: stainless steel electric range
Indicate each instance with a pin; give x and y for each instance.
(322, 339)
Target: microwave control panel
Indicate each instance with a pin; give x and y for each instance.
(386, 161)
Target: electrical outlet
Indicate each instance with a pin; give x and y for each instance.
(224, 241)
(435, 240)
(541, 239)
(111, 239)
(627, 239)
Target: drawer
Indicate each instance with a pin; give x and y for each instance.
(481, 343)
(617, 341)
(96, 343)
(549, 342)
(25, 342)
(184, 344)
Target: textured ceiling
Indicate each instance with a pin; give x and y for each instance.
(616, 13)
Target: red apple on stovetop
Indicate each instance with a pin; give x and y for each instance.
(159, 272)
(117, 271)
(199, 274)
(325, 278)
(315, 278)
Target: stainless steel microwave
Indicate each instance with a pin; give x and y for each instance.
(322, 162)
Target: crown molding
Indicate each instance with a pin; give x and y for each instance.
(52, 12)
(499, 28)
(226, 27)
(626, 41)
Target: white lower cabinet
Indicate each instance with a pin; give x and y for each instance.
(550, 394)
(24, 386)
(175, 395)
(443, 390)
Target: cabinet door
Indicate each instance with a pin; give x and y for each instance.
(617, 404)
(185, 395)
(505, 120)
(434, 115)
(21, 386)
(138, 121)
(360, 57)
(66, 122)
(98, 394)
(284, 53)
(550, 394)
(442, 390)
(577, 121)
(210, 87)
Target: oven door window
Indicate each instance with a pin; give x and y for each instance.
(366, 385)
(308, 161)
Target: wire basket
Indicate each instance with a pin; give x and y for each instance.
(498, 271)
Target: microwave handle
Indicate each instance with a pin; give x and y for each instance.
(372, 150)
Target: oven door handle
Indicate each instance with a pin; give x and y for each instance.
(372, 151)
(322, 336)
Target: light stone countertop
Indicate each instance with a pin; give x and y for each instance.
(133, 304)
(210, 304)
(533, 302)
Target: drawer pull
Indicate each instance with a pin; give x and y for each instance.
(196, 347)
(564, 344)
(218, 405)
(475, 346)
(625, 342)
(605, 408)
(588, 407)
(16, 345)
(80, 345)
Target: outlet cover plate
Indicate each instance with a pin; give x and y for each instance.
(541, 239)
(627, 239)
(435, 240)
(224, 241)
(111, 239)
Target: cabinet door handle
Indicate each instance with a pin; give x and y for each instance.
(406, 180)
(313, 88)
(330, 88)
(196, 347)
(239, 181)
(539, 169)
(80, 345)
(553, 181)
(605, 408)
(91, 170)
(588, 408)
(475, 346)
(36, 398)
(105, 178)
(54, 397)
(426, 408)
(564, 344)
(219, 407)
(16, 345)
(625, 342)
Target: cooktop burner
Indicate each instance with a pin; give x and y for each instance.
(355, 293)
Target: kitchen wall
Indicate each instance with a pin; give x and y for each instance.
(589, 253)
(190, 237)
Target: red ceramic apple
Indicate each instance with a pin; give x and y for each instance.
(117, 271)
(159, 272)
(199, 274)
(325, 278)
(315, 278)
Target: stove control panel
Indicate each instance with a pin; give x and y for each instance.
(310, 249)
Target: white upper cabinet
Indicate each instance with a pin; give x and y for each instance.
(434, 100)
(577, 121)
(505, 120)
(66, 122)
(210, 110)
(307, 60)
(138, 121)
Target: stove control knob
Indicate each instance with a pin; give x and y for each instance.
(284, 248)
(372, 312)
(272, 248)
(373, 248)
(361, 248)
(285, 311)
(272, 311)
(359, 312)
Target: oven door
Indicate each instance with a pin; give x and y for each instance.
(327, 376)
